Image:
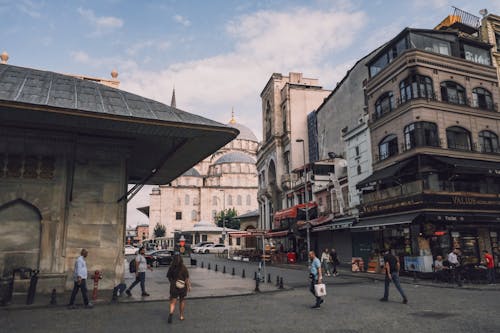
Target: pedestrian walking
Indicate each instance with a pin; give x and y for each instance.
(490, 265)
(334, 258)
(454, 258)
(141, 265)
(80, 281)
(325, 262)
(316, 277)
(178, 276)
(392, 266)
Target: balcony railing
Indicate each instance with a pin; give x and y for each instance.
(393, 192)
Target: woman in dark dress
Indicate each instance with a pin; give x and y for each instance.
(178, 290)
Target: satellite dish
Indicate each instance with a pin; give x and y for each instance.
(483, 12)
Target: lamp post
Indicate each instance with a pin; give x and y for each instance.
(306, 198)
(223, 217)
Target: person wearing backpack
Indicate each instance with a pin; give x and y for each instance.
(140, 272)
(178, 276)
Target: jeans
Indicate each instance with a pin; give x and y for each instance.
(141, 277)
(83, 287)
(491, 275)
(311, 288)
(395, 279)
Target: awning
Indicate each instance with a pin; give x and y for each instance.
(378, 221)
(291, 213)
(337, 224)
(385, 173)
(315, 222)
(282, 233)
(470, 166)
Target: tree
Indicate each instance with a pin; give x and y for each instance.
(229, 216)
(159, 230)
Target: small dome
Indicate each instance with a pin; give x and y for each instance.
(245, 132)
(192, 173)
(235, 157)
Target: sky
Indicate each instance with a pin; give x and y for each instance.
(218, 54)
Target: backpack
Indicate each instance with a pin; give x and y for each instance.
(131, 266)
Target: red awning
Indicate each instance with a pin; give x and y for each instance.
(277, 233)
(291, 213)
(315, 222)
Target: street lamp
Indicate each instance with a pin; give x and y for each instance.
(223, 217)
(306, 198)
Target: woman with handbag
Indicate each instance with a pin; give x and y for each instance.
(178, 276)
(316, 278)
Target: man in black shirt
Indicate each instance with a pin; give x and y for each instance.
(391, 268)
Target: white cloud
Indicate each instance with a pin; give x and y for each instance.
(100, 24)
(265, 42)
(29, 8)
(430, 4)
(135, 48)
(182, 20)
(80, 57)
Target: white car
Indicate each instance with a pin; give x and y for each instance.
(218, 248)
(129, 249)
(196, 248)
(205, 248)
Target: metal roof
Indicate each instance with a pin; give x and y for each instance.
(245, 132)
(163, 140)
(235, 157)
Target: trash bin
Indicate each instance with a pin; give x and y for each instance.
(291, 257)
(193, 262)
(6, 289)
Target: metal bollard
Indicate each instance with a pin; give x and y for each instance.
(216, 267)
(32, 288)
(255, 275)
(257, 284)
(281, 283)
(224, 270)
(53, 295)
(243, 274)
(202, 266)
(232, 273)
(268, 277)
(277, 280)
(208, 266)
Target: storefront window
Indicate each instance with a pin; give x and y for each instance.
(477, 55)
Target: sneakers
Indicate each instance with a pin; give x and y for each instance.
(405, 301)
(71, 306)
(383, 299)
(169, 318)
(144, 294)
(128, 293)
(89, 306)
(317, 306)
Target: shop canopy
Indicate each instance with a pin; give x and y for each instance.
(258, 233)
(336, 224)
(301, 225)
(387, 173)
(470, 166)
(369, 223)
(291, 213)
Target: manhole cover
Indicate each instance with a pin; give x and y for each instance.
(432, 314)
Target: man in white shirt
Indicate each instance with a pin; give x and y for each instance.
(140, 273)
(80, 279)
(453, 258)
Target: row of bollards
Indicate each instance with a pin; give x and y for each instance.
(257, 278)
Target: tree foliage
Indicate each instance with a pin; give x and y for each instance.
(159, 230)
(229, 216)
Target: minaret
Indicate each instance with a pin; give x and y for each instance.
(172, 102)
(232, 121)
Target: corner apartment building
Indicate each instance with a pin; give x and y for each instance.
(434, 121)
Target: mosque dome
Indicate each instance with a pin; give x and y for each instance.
(245, 132)
(192, 173)
(235, 157)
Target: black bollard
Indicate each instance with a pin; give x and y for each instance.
(216, 267)
(32, 289)
(208, 266)
(281, 283)
(277, 281)
(268, 277)
(243, 274)
(224, 270)
(232, 273)
(255, 275)
(202, 266)
(257, 284)
(53, 300)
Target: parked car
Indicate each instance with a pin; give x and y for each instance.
(218, 248)
(159, 257)
(129, 249)
(205, 248)
(197, 246)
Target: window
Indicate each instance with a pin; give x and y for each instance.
(358, 169)
(204, 238)
(384, 104)
(214, 201)
(286, 161)
(186, 199)
(481, 98)
(488, 142)
(283, 114)
(477, 55)
(356, 149)
(430, 44)
(388, 147)
(416, 86)
(214, 214)
(249, 200)
(193, 215)
(458, 138)
(178, 201)
(239, 200)
(178, 215)
(230, 200)
(268, 120)
(452, 92)
(421, 134)
(497, 40)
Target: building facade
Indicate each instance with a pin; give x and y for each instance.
(225, 180)
(434, 124)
